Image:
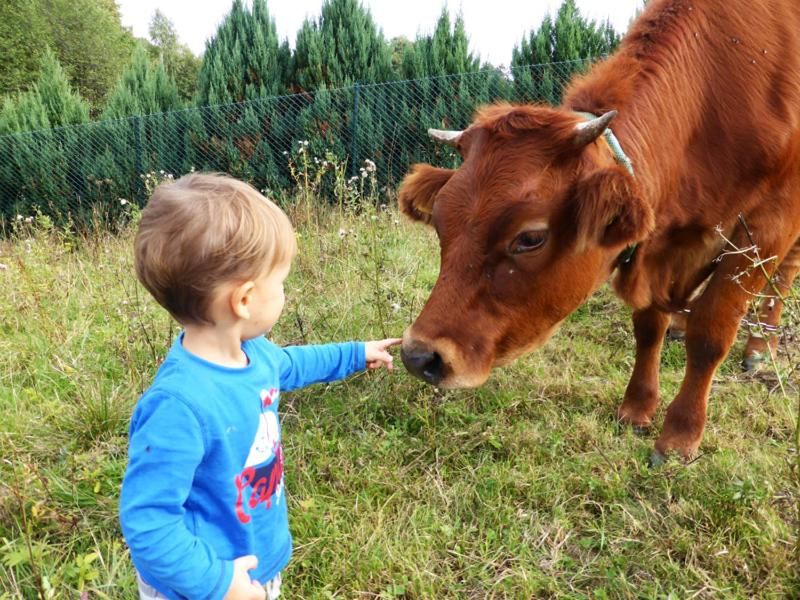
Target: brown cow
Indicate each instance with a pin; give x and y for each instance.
(540, 213)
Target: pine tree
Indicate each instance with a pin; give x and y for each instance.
(341, 48)
(244, 60)
(142, 89)
(40, 163)
(62, 105)
(50, 102)
(569, 41)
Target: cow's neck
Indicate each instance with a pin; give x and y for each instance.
(652, 81)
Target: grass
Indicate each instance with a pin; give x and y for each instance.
(524, 488)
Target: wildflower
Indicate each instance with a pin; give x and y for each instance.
(371, 167)
(3, 267)
(29, 219)
(122, 201)
(161, 171)
(364, 173)
(396, 307)
(342, 233)
(285, 152)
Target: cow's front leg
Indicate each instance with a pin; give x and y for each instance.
(641, 395)
(710, 333)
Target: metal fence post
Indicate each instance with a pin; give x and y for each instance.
(138, 183)
(354, 133)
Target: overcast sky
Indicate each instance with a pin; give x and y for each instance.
(494, 26)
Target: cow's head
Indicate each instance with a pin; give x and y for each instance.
(529, 225)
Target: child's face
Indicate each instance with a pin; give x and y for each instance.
(267, 301)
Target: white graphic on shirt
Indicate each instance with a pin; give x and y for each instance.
(263, 469)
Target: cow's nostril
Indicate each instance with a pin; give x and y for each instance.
(434, 369)
(428, 366)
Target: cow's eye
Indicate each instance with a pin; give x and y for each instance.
(528, 241)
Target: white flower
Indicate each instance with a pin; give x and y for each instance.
(370, 165)
(122, 201)
(161, 171)
(29, 219)
(342, 233)
(396, 307)
(364, 173)
(3, 267)
(19, 217)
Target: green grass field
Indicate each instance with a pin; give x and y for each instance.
(525, 488)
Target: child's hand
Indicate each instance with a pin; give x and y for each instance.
(377, 354)
(242, 587)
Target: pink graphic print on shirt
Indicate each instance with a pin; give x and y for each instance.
(263, 470)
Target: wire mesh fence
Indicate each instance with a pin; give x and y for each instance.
(71, 172)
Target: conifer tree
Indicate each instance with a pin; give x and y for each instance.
(62, 104)
(570, 40)
(144, 88)
(51, 102)
(244, 60)
(342, 47)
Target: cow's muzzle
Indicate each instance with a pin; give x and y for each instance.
(423, 363)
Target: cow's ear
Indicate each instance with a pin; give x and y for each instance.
(607, 210)
(418, 191)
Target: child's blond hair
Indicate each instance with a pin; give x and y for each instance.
(204, 230)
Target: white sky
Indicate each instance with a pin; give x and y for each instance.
(494, 26)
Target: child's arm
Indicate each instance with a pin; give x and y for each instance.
(165, 448)
(303, 365)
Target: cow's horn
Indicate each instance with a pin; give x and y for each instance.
(589, 131)
(444, 136)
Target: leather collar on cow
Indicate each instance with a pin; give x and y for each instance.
(626, 256)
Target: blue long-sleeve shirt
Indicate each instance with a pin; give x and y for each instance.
(204, 483)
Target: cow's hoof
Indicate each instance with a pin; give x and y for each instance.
(752, 361)
(656, 459)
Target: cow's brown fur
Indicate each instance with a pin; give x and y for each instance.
(708, 95)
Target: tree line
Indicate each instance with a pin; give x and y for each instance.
(345, 88)
(102, 68)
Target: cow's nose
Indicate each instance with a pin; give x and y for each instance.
(424, 364)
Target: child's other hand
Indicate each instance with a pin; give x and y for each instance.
(377, 353)
(242, 587)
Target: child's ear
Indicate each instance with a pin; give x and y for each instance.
(240, 298)
(419, 189)
(607, 210)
